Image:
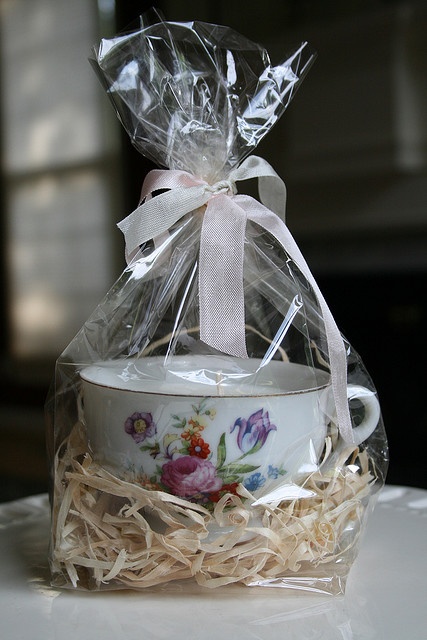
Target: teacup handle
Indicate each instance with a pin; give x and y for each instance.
(372, 411)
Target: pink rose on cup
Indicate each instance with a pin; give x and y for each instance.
(190, 475)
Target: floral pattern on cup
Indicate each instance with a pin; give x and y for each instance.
(189, 476)
(253, 432)
(140, 426)
(184, 455)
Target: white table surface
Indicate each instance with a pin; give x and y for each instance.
(386, 593)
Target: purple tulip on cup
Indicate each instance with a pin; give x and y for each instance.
(253, 432)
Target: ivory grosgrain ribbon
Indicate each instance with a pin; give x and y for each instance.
(221, 289)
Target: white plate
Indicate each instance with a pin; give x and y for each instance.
(386, 592)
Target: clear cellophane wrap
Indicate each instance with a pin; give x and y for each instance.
(215, 290)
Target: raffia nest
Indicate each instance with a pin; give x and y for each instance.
(103, 531)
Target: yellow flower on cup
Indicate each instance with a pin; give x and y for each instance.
(194, 427)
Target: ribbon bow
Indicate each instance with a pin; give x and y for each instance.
(221, 290)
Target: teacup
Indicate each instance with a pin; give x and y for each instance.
(205, 425)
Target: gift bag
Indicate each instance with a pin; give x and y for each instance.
(209, 424)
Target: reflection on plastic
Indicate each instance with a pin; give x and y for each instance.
(366, 612)
(378, 604)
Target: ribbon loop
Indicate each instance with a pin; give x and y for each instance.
(157, 215)
(187, 193)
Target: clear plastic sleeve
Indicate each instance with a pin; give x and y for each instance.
(209, 424)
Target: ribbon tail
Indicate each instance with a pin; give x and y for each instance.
(271, 188)
(221, 292)
(337, 352)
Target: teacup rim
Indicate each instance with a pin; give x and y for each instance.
(192, 394)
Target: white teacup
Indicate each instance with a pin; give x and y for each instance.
(197, 433)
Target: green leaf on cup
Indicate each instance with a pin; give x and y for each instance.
(241, 468)
(231, 479)
(181, 424)
(221, 452)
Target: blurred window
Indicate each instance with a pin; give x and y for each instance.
(56, 161)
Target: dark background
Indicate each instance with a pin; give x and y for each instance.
(373, 272)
